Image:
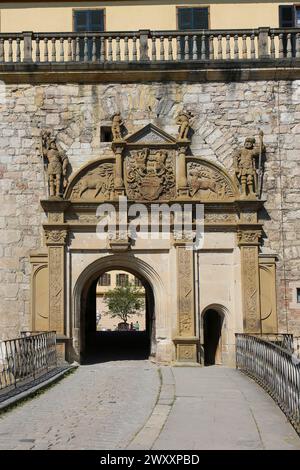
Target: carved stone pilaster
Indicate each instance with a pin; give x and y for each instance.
(185, 341)
(249, 241)
(182, 185)
(55, 240)
(118, 176)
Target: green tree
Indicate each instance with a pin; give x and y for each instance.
(124, 301)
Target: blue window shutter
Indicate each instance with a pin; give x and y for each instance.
(286, 16)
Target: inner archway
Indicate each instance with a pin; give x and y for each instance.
(104, 338)
(212, 330)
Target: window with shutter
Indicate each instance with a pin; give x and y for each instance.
(88, 21)
(189, 19)
(289, 17)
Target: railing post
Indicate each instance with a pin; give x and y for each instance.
(144, 35)
(263, 43)
(27, 35)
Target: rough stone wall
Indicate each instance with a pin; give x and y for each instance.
(224, 114)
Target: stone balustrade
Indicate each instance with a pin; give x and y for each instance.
(150, 46)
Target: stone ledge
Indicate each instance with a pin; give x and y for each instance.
(191, 71)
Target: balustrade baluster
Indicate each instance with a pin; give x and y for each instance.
(69, 49)
(53, 45)
(272, 47)
(228, 48)
(245, 51)
(220, 50)
(153, 51)
(126, 49)
(2, 56)
(134, 49)
(110, 51)
(77, 49)
(18, 51)
(46, 51)
(102, 52)
(211, 47)
(118, 51)
(10, 50)
(298, 45)
(281, 50)
(236, 46)
(37, 50)
(85, 49)
(62, 52)
(186, 48)
(162, 49)
(73, 49)
(195, 48)
(170, 49)
(178, 48)
(94, 58)
(289, 46)
(203, 47)
(252, 52)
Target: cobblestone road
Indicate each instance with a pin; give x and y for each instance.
(100, 406)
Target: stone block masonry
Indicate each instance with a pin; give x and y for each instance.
(224, 114)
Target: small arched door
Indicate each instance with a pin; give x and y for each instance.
(212, 328)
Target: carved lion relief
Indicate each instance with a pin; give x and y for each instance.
(207, 183)
(150, 174)
(98, 183)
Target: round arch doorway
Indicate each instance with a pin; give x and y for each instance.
(116, 341)
(212, 332)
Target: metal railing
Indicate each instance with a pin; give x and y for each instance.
(26, 358)
(276, 369)
(296, 344)
(150, 46)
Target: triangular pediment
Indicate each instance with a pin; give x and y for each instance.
(150, 134)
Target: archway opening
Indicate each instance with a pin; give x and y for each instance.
(106, 335)
(212, 329)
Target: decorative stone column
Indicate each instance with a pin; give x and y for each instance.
(185, 340)
(248, 240)
(181, 169)
(118, 176)
(55, 241)
(56, 232)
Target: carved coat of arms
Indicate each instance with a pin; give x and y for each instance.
(150, 174)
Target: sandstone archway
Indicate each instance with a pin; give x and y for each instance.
(149, 277)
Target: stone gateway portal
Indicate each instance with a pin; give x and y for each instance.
(157, 172)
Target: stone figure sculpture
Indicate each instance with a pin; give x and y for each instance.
(183, 120)
(57, 163)
(247, 168)
(117, 122)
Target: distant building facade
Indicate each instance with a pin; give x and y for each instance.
(107, 282)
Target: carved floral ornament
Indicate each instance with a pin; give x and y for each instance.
(249, 237)
(56, 236)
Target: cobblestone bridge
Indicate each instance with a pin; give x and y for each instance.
(136, 405)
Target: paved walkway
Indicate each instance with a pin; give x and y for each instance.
(119, 405)
(100, 406)
(220, 408)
